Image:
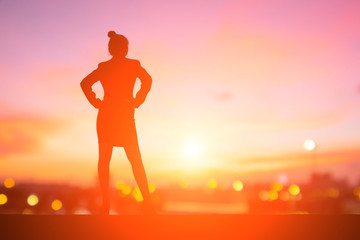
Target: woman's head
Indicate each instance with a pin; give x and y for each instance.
(118, 44)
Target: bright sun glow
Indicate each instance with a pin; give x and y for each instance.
(192, 154)
(309, 145)
(192, 148)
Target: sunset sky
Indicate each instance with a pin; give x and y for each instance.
(238, 86)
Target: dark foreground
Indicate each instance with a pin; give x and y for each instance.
(180, 227)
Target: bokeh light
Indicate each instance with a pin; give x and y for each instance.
(294, 189)
(127, 189)
(263, 195)
(277, 186)
(238, 185)
(273, 195)
(152, 187)
(284, 196)
(212, 183)
(56, 205)
(32, 200)
(137, 194)
(309, 145)
(282, 178)
(9, 183)
(120, 185)
(3, 199)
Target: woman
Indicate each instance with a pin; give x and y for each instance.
(115, 121)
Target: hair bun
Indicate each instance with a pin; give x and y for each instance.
(111, 34)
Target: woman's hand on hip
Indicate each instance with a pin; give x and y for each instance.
(97, 103)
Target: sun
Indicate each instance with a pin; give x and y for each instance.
(191, 149)
(309, 145)
(192, 153)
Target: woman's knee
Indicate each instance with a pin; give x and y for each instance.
(105, 152)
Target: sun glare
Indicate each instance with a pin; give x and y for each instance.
(192, 154)
(192, 149)
(309, 145)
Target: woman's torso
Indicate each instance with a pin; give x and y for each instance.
(118, 78)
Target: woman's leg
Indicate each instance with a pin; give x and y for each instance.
(134, 156)
(105, 152)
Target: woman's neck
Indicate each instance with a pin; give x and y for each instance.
(119, 58)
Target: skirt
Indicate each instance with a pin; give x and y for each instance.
(116, 126)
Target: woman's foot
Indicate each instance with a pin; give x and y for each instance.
(104, 211)
(105, 208)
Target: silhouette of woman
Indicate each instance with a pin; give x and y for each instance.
(115, 121)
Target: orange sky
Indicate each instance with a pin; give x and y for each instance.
(233, 81)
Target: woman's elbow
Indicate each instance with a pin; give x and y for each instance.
(83, 84)
(148, 84)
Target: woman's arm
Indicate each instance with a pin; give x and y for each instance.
(145, 87)
(86, 85)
